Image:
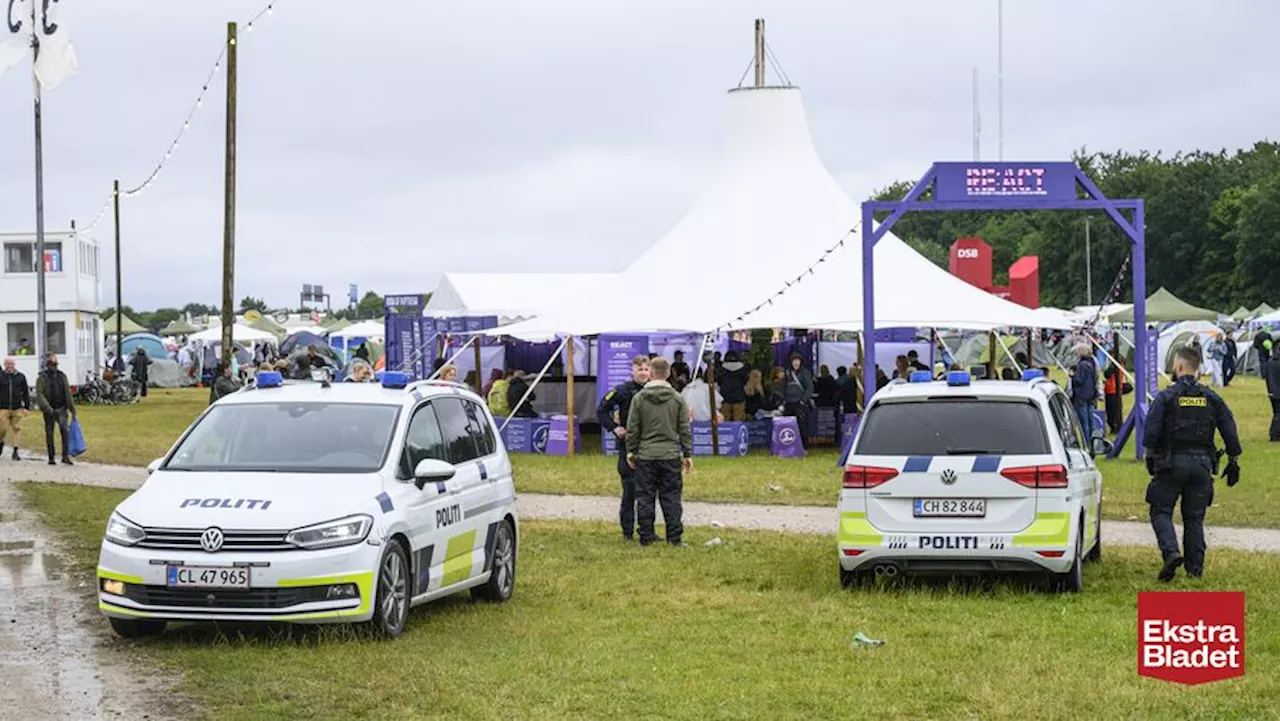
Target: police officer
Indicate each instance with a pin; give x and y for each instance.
(1182, 459)
(612, 414)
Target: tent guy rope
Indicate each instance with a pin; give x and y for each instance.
(789, 284)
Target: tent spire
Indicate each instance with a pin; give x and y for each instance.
(760, 54)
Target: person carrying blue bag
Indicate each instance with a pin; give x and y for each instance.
(53, 396)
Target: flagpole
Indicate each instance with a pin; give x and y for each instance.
(41, 325)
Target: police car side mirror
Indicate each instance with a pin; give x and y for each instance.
(152, 466)
(430, 470)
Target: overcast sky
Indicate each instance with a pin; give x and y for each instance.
(383, 143)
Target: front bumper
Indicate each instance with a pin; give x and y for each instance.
(284, 585)
(1045, 545)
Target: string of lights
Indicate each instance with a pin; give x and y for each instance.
(151, 177)
(1113, 295)
(791, 283)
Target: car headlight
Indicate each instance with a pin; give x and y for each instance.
(123, 531)
(342, 532)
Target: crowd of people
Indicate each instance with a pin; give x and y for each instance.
(53, 397)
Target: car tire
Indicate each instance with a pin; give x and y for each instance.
(391, 600)
(1073, 580)
(136, 628)
(1095, 553)
(502, 573)
(854, 579)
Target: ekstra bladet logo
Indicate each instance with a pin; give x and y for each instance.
(1191, 637)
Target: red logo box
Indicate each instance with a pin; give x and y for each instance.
(1191, 637)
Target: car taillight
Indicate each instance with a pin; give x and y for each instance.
(866, 476)
(1054, 476)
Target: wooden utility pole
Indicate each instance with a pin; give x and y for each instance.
(229, 208)
(115, 199)
(479, 381)
(992, 361)
(568, 370)
(760, 59)
(711, 393)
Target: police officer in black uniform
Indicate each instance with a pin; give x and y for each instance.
(612, 414)
(1182, 459)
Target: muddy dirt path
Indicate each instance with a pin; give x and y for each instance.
(56, 661)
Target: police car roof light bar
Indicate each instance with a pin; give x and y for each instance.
(958, 378)
(1031, 374)
(268, 379)
(921, 377)
(394, 379)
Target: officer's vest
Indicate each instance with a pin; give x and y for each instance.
(1190, 422)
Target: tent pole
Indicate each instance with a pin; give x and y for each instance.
(568, 371)
(711, 393)
(857, 375)
(991, 355)
(760, 55)
(479, 382)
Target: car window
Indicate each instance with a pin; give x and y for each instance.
(288, 437)
(423, 440)
(453, 424)
(954, 427)
(1065, 421)
(479, 429)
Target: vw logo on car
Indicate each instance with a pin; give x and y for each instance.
(949, 477)
(211, 540)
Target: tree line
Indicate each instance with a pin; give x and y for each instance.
(370, 306)
(1212, 229)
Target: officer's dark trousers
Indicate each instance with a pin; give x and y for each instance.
(1275, 419)
(660, 479)
(58, 417)
(1188, 479)
(627, 511)
(1228, 370)
(1115, 412)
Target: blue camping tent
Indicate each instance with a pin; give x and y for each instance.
(152, 345)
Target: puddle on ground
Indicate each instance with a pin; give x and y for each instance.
(29, 570)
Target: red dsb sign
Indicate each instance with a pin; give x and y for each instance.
(1191, 637)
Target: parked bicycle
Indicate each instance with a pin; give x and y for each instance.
(96, 391)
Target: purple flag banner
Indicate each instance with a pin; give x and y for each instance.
(1002, 181)
(615, 353)
(733, 436)
(1150, 354)
(785, 441)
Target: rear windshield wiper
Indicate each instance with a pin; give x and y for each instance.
(972, 452)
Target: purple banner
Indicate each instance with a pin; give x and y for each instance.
(1002, 181)
(1150, 355)
(616, 353)
(404, 303)
(429, 326)
(457, 325)
(557, 438)
(732, 436)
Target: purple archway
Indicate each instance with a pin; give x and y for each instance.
(1015, 186)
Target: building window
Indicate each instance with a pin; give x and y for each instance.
(21, 257)
(22, 338)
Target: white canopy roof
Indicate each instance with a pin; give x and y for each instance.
(510, 296)
(363, 329)
(239, 334)
(770, 213)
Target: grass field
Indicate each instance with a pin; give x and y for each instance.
(134, 435)
(754, 628)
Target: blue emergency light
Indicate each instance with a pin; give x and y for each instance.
(921, 377)
(394, 379)
(958, 378)
(269, 379)
(1031, 374)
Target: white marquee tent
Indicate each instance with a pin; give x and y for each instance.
(371, 329)
(510, 296)
(239, 334)
(770, 213)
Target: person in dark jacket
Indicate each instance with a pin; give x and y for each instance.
(680, 373)
(1273, 390)
(659, 448)
(1084, 390)
(140, 366)
(1261, 343)
(847, 391)
(756, 397)
(53, 395)
(827, 389)
(731, 380)
(515, 392)
(15, 403)
(797, 395)
(613, 412)
(1229, 359)
(1113, 391)
(223, 384)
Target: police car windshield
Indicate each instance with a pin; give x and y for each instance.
(954, 427)
(289, 438)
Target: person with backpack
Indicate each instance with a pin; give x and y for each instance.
(1084, 390)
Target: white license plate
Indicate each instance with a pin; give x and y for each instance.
(206, 577)
(951, 507)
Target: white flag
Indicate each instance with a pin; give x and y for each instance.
(15, 33)
(56, 59)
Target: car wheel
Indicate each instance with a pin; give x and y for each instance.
(391, 602)
(854, 579)
(1073, 580)
(1095, 553)
(502, 574)
(136, 628)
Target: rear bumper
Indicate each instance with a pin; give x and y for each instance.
(1043, 546)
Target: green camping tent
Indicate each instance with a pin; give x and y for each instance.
(178, 327)
(269, 324)
(1165, 307)
(334, 324)
(128, 326)
(1242, 313)
(1263, 309)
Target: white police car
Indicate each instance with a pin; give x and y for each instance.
(316, 502)
(962, 476)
